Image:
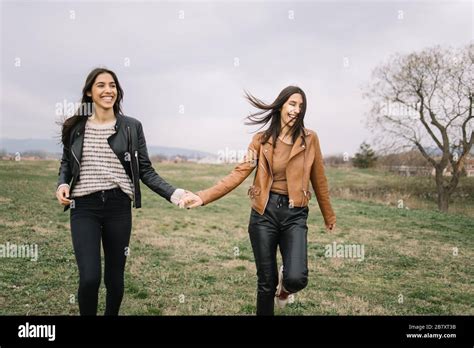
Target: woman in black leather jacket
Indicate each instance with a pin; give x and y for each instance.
(104, 157)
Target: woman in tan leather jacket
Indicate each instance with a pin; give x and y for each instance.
(287, 157)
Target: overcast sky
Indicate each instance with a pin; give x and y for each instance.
(184, 65)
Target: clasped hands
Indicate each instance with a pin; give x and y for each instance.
(189, 200)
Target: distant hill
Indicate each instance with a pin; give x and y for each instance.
(53, 147)
(435, 151)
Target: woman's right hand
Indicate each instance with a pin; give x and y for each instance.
(62, 194)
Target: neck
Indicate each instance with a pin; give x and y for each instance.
(284, 132)
(103, 115)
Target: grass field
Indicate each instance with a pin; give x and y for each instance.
(200, 262)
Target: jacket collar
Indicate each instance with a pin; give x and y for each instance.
(82, 125)
(305, 132)
(298, 146)
(80, 129)
(120, 119)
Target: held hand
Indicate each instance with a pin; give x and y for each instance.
(330, 227)
(190, 200)
(61, 194)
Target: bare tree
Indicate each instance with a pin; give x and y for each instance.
(424, 100)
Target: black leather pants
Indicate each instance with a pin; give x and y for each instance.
(281, 226)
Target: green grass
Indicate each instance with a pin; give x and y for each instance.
(184, 262)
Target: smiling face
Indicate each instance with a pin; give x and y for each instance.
(104, 91)
(291, 110)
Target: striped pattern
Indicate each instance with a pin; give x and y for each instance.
(100, 167)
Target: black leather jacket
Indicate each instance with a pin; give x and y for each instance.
(128, 143)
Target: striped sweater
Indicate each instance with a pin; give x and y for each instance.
(100, 167)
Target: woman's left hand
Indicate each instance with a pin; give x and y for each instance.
(190, 200)
(330, 227)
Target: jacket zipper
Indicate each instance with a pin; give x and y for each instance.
(302, 184)
(79, 163)
(76, 159)
(131, 166)
(271, 173)
(138, 166)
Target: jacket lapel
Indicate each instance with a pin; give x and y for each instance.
(76, 146)
(298, 146)
(79, 138)
(118, 141)
(267, 149)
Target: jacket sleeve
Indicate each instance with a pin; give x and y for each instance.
(236, 177)
(147, 173)
(64, 174)
(320, 185)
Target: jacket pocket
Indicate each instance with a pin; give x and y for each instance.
(306, 197)
(253, 191)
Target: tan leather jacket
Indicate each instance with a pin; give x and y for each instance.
(304, 165)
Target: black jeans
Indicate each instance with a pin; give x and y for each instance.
(281, 226)
(103, 215)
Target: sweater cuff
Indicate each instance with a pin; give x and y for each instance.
(62, 186)
(176, 196)
(201, 195)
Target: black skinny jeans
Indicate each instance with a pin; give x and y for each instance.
(281, 226)
(103, 215)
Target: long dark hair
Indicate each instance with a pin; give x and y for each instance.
(270, 113)
(85, 109)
